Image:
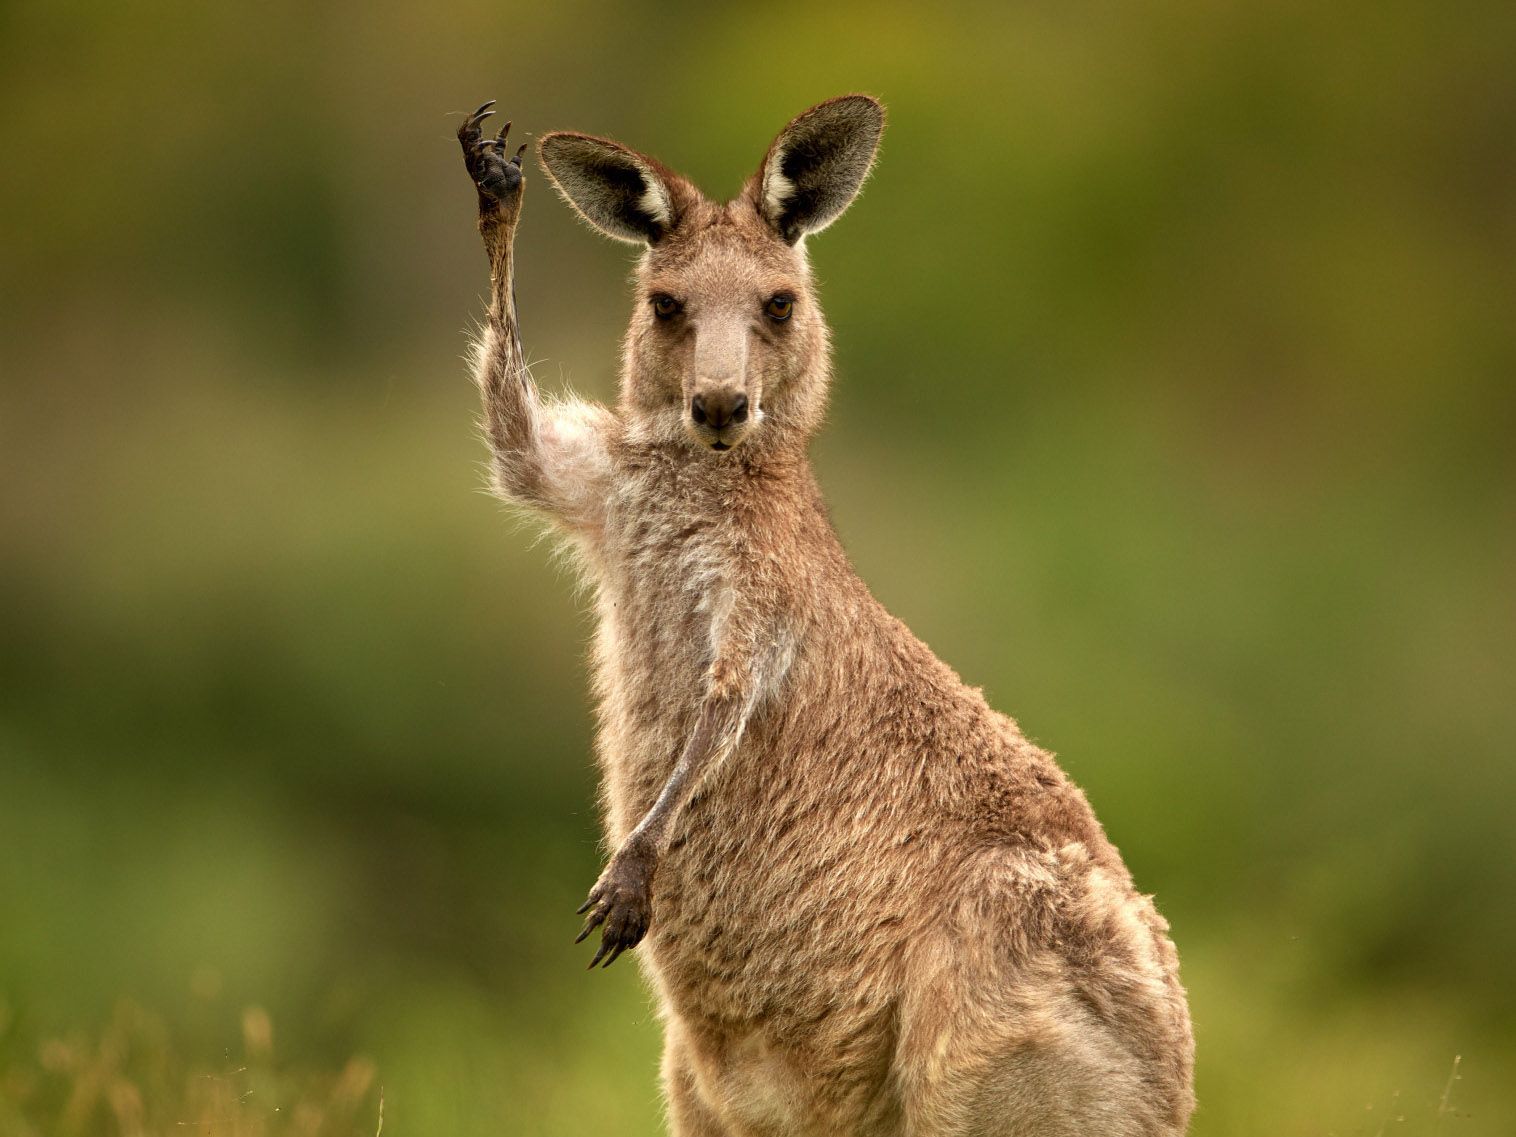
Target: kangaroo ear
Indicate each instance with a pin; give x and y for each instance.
(617, 190)
(816, 166)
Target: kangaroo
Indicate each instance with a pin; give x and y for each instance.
(867, 904)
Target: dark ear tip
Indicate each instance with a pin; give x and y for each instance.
(574, 140)
(549, 146)
(857, 104)
(853, 97)
(559, 140)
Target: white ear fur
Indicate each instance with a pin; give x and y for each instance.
(615, 189)
(777, 189)
(817, 165)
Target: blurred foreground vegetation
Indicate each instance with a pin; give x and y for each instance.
(1176, 390)
(132, 1079)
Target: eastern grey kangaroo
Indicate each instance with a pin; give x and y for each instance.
(868, 906)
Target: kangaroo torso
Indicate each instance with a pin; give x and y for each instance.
(868, 791)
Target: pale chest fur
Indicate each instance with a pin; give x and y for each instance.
(663, 585)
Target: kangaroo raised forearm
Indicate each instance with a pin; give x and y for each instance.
(549, 456)
(505, 385)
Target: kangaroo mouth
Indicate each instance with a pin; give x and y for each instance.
(720, 439)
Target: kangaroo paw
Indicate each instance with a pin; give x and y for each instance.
(620, 905)
(497, 178)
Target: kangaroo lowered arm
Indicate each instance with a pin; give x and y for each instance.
(621, 901)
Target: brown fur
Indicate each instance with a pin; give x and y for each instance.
(871, 906)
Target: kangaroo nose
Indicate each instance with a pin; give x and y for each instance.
(719, 410)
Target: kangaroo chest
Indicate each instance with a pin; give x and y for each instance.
(665, 580)
(768, 846)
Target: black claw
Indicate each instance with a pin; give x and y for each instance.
(585, 907)
(504, 132)
(604, 945)
(516, 161)
(612, 957)
(469, 131)
(589, 926)
(597, 918)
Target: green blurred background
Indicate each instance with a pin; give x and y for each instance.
(1175, 403)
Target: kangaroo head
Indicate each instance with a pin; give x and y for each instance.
(727, 344)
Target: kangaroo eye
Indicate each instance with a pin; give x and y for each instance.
(779, 308)
(665, 307)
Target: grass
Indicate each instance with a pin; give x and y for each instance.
(131, 1079)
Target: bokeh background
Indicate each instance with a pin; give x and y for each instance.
(1175, 403)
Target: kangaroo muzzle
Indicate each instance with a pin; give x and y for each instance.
(720, 417)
